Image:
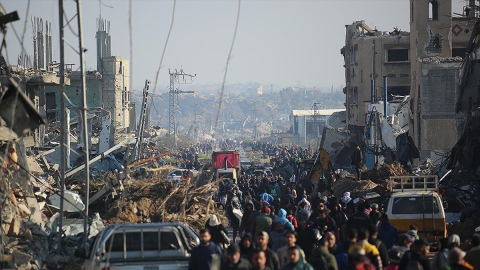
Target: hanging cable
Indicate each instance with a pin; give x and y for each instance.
(226, 70)
(164, 49)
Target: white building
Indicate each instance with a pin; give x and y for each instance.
(305, 123)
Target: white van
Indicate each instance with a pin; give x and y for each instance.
(415, 201)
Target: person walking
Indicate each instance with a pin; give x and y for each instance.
(264, 221)
(416, 257)
(259, 260)
(272, 259)
(322, 258)
(290, 241)
(244, 226)
(305, 237)
(456, 260)
(387, 233)
(207, 255)
(357, 159)
(234, 260)
(295, 263)
(277, 236)
(247, 245)
(234, 211)
(216, 228)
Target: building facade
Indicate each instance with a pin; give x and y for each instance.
(368, 52)
(422, 64)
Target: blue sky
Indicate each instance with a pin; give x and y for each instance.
(287, 43)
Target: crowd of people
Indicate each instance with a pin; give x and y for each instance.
(333, 234)
(278, 223)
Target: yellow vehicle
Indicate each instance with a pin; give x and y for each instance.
(415, 200)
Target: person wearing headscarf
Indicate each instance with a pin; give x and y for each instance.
(453, 241)
(349, 202)
(216, 228)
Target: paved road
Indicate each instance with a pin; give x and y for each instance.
(230, 234)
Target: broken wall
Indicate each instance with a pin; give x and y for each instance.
(358, 55)
(435, 122)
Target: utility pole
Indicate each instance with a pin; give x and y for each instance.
(194, 124)
(138, 149)
(177, 77)
(254, 115)
(84, 120)
(63, 122)
(316, 112)
(372, 93)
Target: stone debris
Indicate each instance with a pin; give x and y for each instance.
(438, 60)
(383, 172)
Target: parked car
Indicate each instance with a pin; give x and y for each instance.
(146, 246)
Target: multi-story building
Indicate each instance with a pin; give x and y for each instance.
(439, 45)
(108, 87)
(368, 52)
(420, 63)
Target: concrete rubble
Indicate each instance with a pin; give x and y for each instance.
(139, 192)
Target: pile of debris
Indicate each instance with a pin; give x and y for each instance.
(383, 172)
(462, 193)
(154, 200)
(356, 188)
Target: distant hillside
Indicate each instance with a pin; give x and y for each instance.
(238, 109)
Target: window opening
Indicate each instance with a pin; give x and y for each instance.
(433, 10)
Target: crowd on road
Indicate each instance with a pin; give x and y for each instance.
(282, 226)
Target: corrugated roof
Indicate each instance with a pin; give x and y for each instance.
(320, 112)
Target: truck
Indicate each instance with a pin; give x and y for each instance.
(226, 159)
(145, 246)
(226, 164)
(416, 200)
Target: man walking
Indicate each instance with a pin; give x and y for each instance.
(357, 160)
(207, 255)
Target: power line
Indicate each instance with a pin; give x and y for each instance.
(164, 48)
(226, 70)
(131, 42)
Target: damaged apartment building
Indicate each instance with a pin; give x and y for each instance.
(416, 73)
(107, 87)
(108, 93)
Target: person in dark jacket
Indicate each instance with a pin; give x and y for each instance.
(306, 238)
(287, 201)
(252, 219)
(247, 245)
(387, 233)
(272, 259)
(357, 159)
(249, 208)
(416, 256)
(207, 255)
(375, 215)
(322, 258)
(234, 261)
(325, 223)
(295, 261)
(234, 204)
(259, 260)
(216, 228)
(360, 219)
(382, 249)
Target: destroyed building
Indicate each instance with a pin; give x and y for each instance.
(108, 86)
(391, 59)
(438, 48)
(420, 70)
